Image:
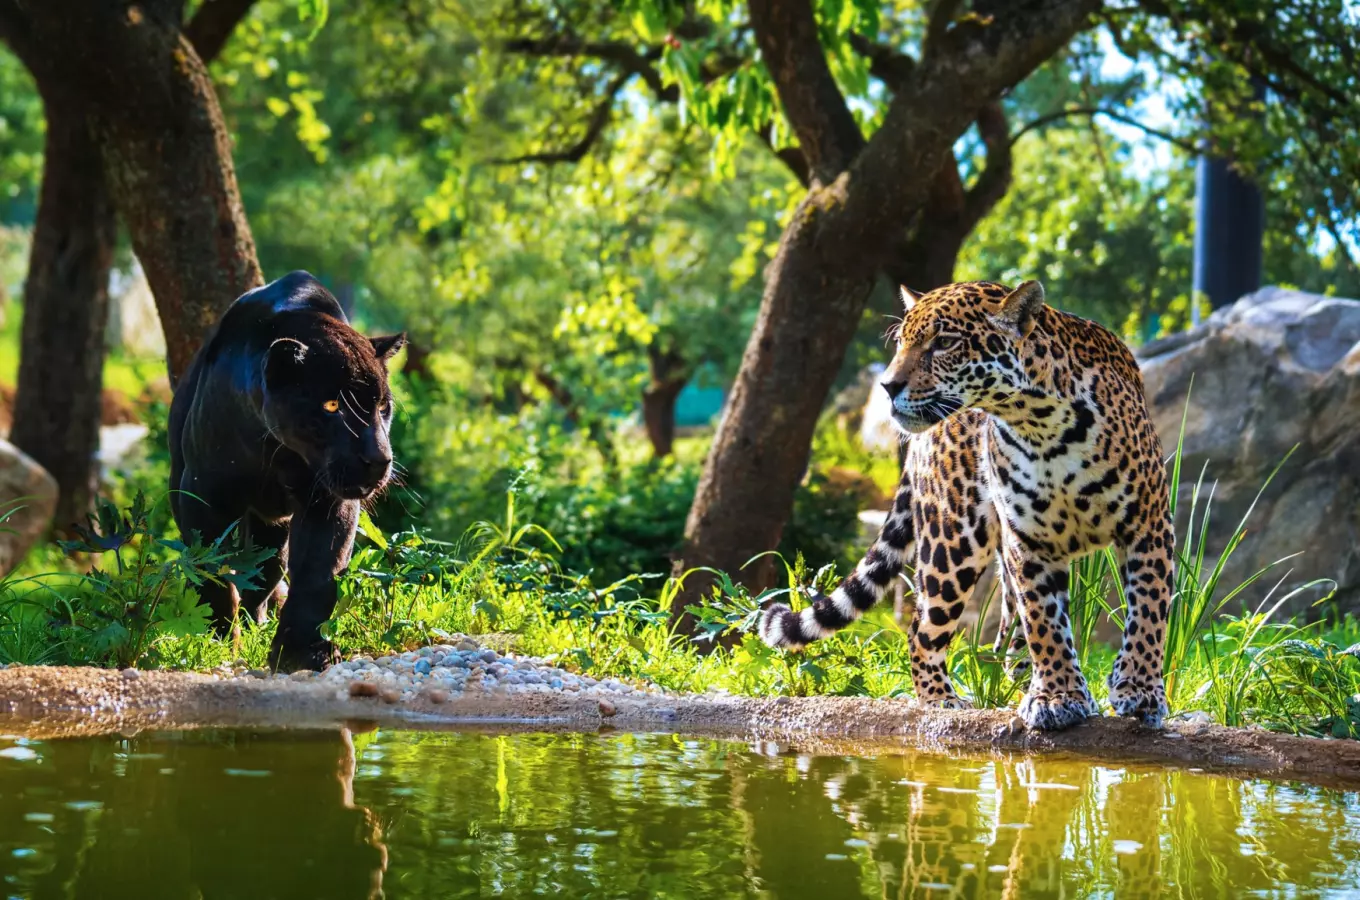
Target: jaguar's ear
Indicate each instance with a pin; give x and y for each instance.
(1021, 307)
(909, 297)
(284, 361)
(387, 346)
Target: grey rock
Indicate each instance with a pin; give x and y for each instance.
(28, 490)
(1277, 369)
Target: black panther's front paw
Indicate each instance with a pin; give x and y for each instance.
(296, 655)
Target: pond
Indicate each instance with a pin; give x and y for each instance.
(339, 814)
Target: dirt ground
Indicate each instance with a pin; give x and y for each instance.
(52, 702)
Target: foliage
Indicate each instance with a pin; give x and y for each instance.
(21, 143)
(115, 616)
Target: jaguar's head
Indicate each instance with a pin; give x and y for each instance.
(959, 347)
(327, 399)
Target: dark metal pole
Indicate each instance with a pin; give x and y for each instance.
(1230, 221)
(1229, 226)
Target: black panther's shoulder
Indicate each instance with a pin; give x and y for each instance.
(295, 292)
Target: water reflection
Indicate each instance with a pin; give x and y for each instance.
(238, 814)
(232, 814)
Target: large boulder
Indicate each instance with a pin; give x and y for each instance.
(29, 494)
(1279, 369)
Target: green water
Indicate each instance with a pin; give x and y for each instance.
(434, 815)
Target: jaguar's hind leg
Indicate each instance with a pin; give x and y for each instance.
(1009, 645)
(1136, 686)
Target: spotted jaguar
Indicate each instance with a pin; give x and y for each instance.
(1028, 441)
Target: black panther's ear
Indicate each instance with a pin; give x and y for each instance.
(284, 361)
(1021, 307)
(387, 346)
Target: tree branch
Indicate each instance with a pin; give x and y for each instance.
(213, 24)
(1090, 111)
(786, 32)
(946, 91)
(995, 179)
(889, 66)
(625, 56)
(792, 157)
(599, 119)
(942, 13)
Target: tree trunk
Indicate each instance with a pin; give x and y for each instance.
(840, 236)
(57, 403)
(658, 400)
(166, 150)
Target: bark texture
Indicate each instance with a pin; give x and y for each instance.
(669, 377)
(166, 151)
(66, 300)
(861, 195)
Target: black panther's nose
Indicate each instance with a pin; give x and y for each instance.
(894, 388)
(376, 463)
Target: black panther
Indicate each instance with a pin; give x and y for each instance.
(281, 423)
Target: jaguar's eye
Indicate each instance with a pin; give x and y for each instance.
(331, 406)
(944, 342)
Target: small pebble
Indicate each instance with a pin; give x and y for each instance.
(301, 675)
(258, 673)
(389, 695)
(608, 709)
(436, 695)
(363, 689)
(131, 674)
(423, 667)
(467, 645)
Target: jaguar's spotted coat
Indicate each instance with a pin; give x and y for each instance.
(1029, 441)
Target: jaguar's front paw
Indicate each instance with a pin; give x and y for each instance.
(1054, 710)
(1143, 701)
(944, 701)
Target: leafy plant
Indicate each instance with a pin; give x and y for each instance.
(144, 595)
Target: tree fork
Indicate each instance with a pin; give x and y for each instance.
(166, 151)
(819, 282)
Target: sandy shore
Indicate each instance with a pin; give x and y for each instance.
(53, 702)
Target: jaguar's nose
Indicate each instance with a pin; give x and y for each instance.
(894, 388)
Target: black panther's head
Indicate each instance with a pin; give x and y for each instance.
(326, 398)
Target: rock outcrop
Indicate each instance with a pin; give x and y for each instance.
(1277, 371)
(28, 498)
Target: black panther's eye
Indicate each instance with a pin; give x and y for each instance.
(331, 406)
(944, 342)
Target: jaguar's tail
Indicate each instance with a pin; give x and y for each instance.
(781, 627)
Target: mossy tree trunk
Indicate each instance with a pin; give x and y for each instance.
(57, 403)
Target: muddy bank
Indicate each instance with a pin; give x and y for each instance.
(50, 702)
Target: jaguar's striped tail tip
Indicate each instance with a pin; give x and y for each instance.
(779, 627)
